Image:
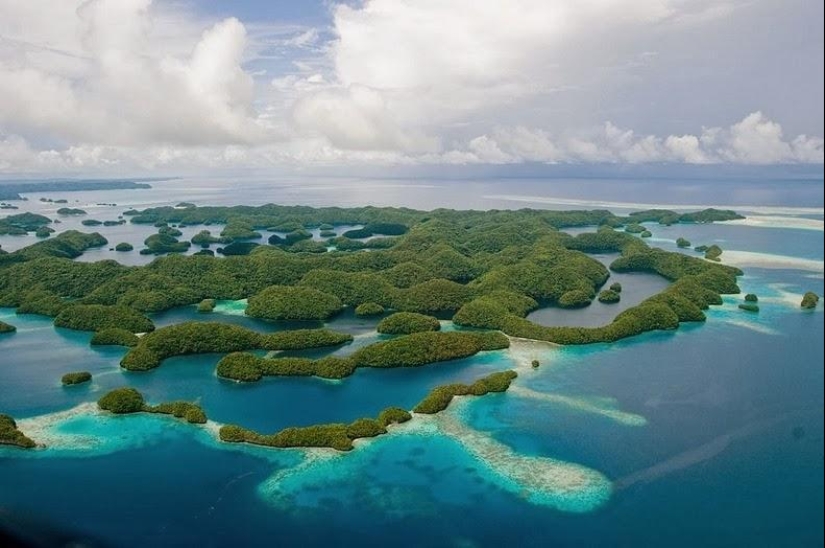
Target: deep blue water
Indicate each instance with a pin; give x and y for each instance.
(710, 435)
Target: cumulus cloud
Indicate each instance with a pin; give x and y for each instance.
(357, 117)
(754, 140)
(438, 65)
(140, 85)
(121, 91)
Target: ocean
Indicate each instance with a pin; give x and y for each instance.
(710, 435)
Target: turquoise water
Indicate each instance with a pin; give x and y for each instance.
(710, 435)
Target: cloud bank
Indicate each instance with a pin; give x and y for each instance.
(136, 85)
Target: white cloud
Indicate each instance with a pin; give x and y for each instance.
(754, 140)
(440, 64)
(124, 92)
(143, 85)
(358, 118)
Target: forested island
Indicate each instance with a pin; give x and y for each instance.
(340, 435)
(482, 269)
(10, 435)
(485, 271)
(124, 401)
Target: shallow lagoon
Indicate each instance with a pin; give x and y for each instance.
(708, 435)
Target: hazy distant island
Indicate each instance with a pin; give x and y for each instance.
(12, 190)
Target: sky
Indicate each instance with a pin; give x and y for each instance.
(195, 86)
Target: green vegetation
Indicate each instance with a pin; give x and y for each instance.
(206, 306)
(809, 300)
(489, 312)
(369, 309)
(386, 229)
(634, 228)
(616, 287)
(204, 238)
(69, 244)
(77, 377)
(701, 248)
(328, 234)
(190, 412)
(357, 233)
(114, 336)
(170, 231)
(365, 428)
(440, 397)
(404, 323)
(6, 328)
(646, 234)
(682, 243)
(240, 366)
(91, 222)
(308, 246)
(713, 252)
(428, 347)
(41, 302)
(337, 436)
(323, 435)
(408, 351)
(393, 415)
(667, 217)
(750, 307)
(609, 296)
(44, 232)
(160, 243)
(296, 236)
(240, 230)
(577, 298)
(293, 303)
(238, 248)
(485, 269)
(21, 223)
(70, 211)
(214, 337)
(94, 317)
(10, 435)
(751, 298)
(535, 364)
(122, 401)
(124, 246)
(697, 284)
(245, 367)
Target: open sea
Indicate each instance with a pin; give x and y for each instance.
(711, 435)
